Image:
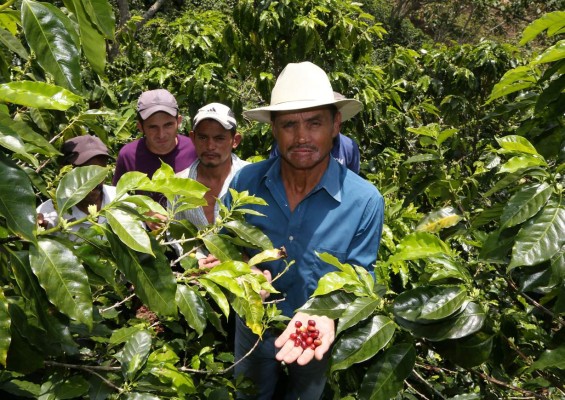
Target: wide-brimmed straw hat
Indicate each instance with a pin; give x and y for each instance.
(301, 86)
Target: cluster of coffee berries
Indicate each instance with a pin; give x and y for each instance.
(306, 336)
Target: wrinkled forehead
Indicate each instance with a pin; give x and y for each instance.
(304, 114)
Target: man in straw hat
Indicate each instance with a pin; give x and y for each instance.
(315, 205)
(344, 149)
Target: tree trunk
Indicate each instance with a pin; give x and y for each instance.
(124, 16)
(150, 13)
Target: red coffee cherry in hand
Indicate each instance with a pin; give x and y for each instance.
(306, 337)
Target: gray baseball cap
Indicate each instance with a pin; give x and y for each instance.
(80, 149)
(156, 100)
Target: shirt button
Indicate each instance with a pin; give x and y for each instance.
(291, 238)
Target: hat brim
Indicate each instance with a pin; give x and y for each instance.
(347, 107)
(146, 113)
(87, 155)
(227, 125)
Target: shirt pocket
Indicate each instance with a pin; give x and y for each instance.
(321, 267)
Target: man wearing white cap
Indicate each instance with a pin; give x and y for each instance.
(214, 134)
(158, 119)
(315, 205)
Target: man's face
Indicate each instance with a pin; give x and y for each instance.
(213, 143)
(160, 131)
(305, 137)
(95, 195)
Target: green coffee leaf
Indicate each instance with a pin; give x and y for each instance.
(552, 22)
(419, 245)
(92, 41)
(385, 378)
(63, 278)
(363, 343)
(469, 351)
(52, 37)
(129, 230)
(358, 311)
(250, 234)
(131, 180)
(192, 307)
(333, 281)
(541, 237)
(152, 277)
(13, 44)
(331, 305)
(463, 324)
(77, 184)
(222, 248)
(19, 207)
(10, 140)
(516, 144)
(5, 322)
(438, 220)
(426, 304)
(519, 163)
(524, 204)
(134, 354)
(552, 358)
(217, 295)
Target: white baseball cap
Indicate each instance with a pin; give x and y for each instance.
(218, 112)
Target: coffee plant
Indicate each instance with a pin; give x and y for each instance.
(466, 143)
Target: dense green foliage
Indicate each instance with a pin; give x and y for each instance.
(466, 142)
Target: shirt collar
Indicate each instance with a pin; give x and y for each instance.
(330, 182)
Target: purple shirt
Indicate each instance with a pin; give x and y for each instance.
(135, 156)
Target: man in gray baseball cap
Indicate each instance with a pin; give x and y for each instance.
(158, 119)
(156, 100)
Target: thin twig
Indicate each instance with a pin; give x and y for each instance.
(91, 369)
(487, 378)
(535, 303)
(199, 371)
(416, 390)
(508, 386)
(428, 385)
(182, 257)
(118, 304)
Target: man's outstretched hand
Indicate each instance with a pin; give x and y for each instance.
(290, 352)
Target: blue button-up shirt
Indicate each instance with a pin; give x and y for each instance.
(342, 215)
